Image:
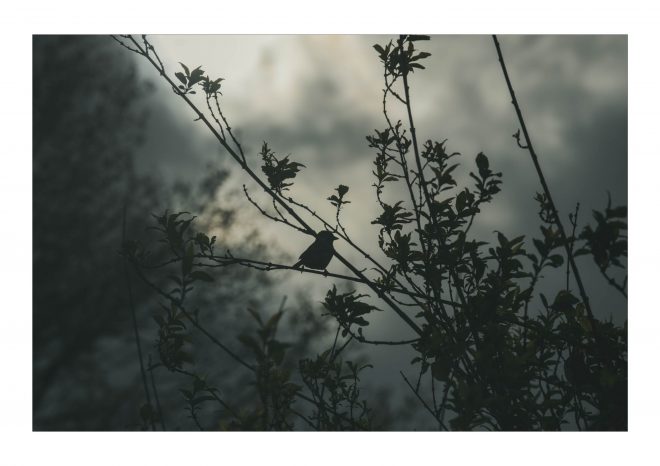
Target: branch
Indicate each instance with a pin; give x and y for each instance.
(276, 197)
(153, 386)
(179, 305)
(546, 190)
(281, 219)
(611, 281)
(134, 318)
(226, 261)
(440, 421)
(225, 348)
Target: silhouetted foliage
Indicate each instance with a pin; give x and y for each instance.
(499, 358)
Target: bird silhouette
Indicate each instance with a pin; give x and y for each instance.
(319, 253)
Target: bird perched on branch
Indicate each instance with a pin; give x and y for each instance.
(318, 255)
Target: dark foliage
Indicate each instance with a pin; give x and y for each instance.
(502, 356)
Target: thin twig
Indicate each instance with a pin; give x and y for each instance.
(546, 190)
(134, 318)
(611, 281)
(573, 219)
(179, 305)
(153, 387)
(442, 424)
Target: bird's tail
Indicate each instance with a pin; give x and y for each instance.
(298, 265)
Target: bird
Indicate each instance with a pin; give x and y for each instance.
(319, 254)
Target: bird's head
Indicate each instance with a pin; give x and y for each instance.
(326, 236)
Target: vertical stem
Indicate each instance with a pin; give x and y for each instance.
(153, 387)
(135, 326)
(546, 190)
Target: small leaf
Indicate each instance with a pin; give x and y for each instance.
(564, 301)
(556, 260)
(416, 37)
(255, 315)
(180, 76)
(185, 68)
(482, 164)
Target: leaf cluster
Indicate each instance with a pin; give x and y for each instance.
(278, 171)
(348, 309)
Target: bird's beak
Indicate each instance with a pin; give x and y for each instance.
(334, 238)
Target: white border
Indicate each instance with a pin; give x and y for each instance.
(21, 19)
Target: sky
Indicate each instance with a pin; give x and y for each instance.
(317, 97)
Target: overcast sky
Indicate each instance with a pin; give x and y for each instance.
(317, 97)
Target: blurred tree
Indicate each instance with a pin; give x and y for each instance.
(88, 116)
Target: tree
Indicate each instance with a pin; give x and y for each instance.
(88, 110)
(488, 359)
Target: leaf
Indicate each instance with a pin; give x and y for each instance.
(556, 260)
(504, 243)
(564, 301)
(379, 49)
(185, 69)
(461, 200)
(180, 76)
(420, 56)
(255, 315)
(482, 165)
(271, 325)
(540, 246)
